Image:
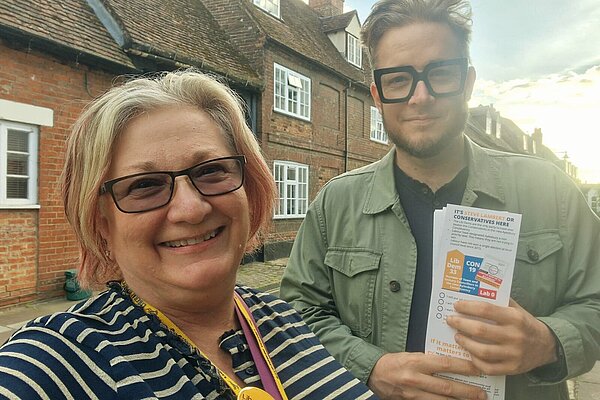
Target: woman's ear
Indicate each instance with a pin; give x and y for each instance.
(102, 222)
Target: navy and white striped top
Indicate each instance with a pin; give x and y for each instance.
(109, 348)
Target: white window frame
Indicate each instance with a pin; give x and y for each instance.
(525, 143)
(353, 50)
(595, 204)
(32, 132)
(291, 92)
(292, 200)
(273, 7)
(378, 133)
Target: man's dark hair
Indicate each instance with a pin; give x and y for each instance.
(388, 14)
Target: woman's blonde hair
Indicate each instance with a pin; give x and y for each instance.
(89, 150)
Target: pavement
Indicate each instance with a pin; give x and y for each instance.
(265, 276)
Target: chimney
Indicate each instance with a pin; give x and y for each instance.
(537, 136)
(327, 8)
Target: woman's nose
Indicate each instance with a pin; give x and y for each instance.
(187, 204)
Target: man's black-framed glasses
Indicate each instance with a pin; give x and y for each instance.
(442, 79)
(151, 190)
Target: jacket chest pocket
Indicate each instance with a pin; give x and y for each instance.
(537, 271)
(354, 275)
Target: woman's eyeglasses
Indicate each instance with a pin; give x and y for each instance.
(151, 190)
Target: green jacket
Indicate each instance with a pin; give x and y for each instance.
(352, 267)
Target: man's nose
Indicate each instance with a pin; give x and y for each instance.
(421, 93)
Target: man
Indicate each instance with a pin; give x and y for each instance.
(360, 269)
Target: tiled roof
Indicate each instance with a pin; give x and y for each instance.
(477, 134)
(337, 22)
(300, 29)
(184, 31)
(69, 23)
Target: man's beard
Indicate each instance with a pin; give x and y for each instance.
(431, 147)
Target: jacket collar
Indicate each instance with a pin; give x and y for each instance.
(381, 192)
(484, 178)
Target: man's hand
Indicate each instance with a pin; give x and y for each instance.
(502, 340)
(409, 376)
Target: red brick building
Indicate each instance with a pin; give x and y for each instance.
(309, 103)
(299, 67)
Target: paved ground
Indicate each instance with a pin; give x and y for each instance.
(266, 277)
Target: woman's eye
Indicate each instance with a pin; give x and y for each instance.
(210, 170)
(145, 185)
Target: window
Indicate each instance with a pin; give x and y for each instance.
(270, 6)
(292, 184)
(595, 204)
(353, 50)
(18, 168)
(292, 93)
(377, 131)
(525, 142)
(498, 128)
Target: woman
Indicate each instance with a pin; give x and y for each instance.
(166, 189)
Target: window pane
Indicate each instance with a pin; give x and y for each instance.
(17, 141)
(16, 188)
(16, 164)
(291, 174)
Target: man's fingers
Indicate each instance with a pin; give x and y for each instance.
(445, 388)
(489, 352)
(482, 330)
(432, 364)
(482, 309)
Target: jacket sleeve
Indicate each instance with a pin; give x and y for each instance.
(307, 286)
(576, 320)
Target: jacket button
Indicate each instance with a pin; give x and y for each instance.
(533, 255)
(395, 286)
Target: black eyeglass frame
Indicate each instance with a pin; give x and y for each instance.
(421, 76)
(107, 186)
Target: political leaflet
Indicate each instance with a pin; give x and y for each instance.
(473, 259)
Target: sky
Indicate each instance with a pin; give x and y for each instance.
(538, 63)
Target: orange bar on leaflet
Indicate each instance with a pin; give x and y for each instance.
(453, 271)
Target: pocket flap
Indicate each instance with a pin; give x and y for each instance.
(352, 262)
(536, 246)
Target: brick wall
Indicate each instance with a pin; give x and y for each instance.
(320, 142)
(37, 246)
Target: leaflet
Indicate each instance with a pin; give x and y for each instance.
(473, 259)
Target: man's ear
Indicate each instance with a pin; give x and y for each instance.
(470, 82)
(376, 98)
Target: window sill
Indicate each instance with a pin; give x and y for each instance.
(379, 141)
(20, 206)
(289, 114)
(279, 217)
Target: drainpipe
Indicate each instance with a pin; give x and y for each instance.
(346, 121)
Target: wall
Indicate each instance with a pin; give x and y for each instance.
(319, 143)
(36, 245)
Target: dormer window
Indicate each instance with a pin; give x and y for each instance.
(270, 6)
(353, 50)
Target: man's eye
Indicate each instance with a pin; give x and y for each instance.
(398, 80)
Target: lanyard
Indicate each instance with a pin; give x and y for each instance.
(247, 393)
(264, 364)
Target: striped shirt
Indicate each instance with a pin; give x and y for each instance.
(109, 348)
